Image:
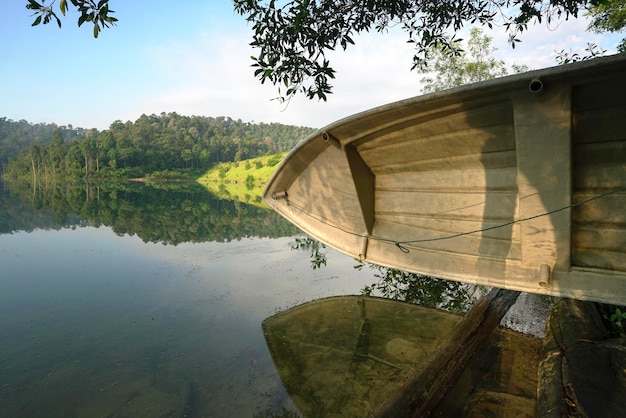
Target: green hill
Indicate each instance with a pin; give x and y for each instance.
(242, 180)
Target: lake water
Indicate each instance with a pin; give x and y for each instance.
(147, 300)
(131, 301)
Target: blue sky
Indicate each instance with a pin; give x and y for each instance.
(192, 57)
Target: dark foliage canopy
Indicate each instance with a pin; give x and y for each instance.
(97, 13)
(609, 16)
(293, 37)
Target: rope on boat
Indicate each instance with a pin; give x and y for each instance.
(402, 248)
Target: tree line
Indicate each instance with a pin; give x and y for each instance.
(18, 135)
(153, 143)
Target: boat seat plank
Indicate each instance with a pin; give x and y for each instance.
(496, 207)
(459, 143)
(589, 154)
(475, 245)
(599, 125)
(387, 119)
(442, 227)
(494, 160)
(599, 259)
(460, 180)
(599, 94)
(603, 177)
(477, 115)
(609, 210)
(600, 238)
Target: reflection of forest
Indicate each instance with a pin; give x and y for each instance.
(170, 213)
(414, 288)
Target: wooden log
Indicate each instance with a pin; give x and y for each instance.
(422, 391)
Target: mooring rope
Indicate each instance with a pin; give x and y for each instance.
(400, 244)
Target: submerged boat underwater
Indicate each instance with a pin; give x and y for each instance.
(342, 356)
(352, 356)
(517, 183)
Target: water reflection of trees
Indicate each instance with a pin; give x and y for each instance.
(420, 289)
(400, 285)
(170, 213)
(18, 215)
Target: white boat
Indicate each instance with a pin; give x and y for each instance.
(517, 182)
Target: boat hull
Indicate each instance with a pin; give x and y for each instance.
(517, 183)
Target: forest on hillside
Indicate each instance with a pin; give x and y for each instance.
(17, 135)
(154, 143)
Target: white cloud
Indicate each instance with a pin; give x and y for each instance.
(541, 43)
(212, 75)
(91, 83)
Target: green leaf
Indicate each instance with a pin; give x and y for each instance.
(37, 21)
(618, 315)
(63, 6)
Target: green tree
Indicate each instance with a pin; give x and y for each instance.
(472, 64)
(294, 37)
(97, 13)
(609, 16)
(591, 51)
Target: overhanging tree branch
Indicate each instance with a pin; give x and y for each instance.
(293, 37)
(90, 11)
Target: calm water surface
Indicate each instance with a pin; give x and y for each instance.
(95, 322)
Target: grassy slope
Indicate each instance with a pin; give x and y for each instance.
(229, 180)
